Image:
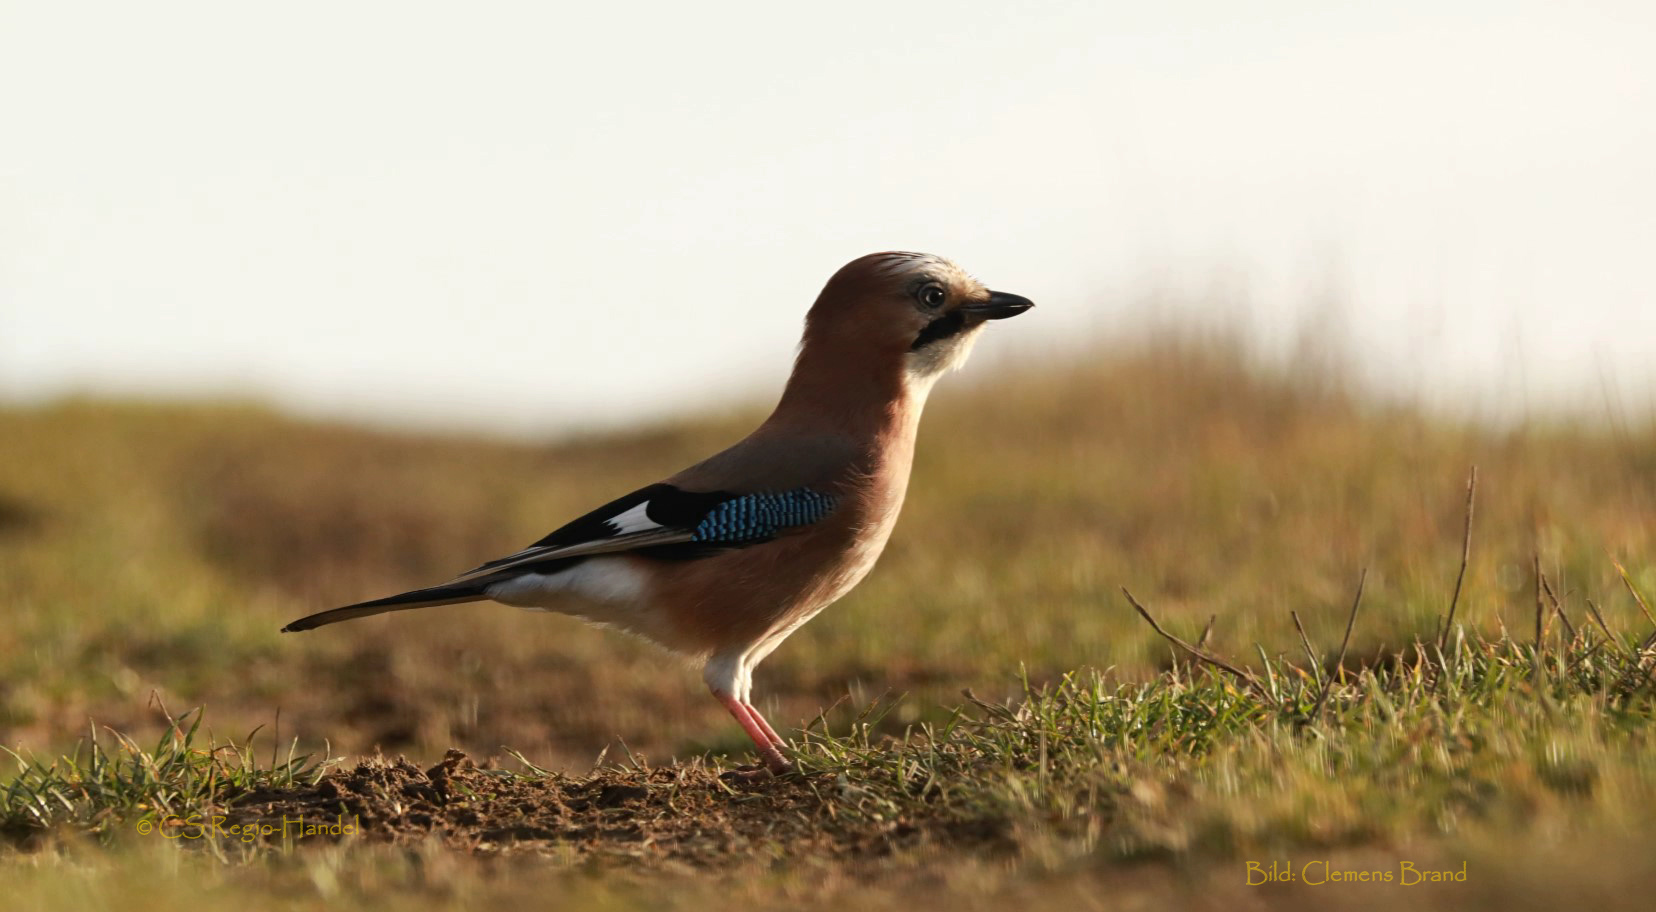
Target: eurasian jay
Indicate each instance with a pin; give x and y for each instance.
(725, 559)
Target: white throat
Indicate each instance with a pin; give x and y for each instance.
(923, 367)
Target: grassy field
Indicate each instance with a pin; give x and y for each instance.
(989, 719)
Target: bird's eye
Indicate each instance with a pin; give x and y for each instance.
(932, 296)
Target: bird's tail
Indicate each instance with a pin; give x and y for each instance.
(452, 594)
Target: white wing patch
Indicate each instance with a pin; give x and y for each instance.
(634, 520)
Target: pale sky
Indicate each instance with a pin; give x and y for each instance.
(526, 217)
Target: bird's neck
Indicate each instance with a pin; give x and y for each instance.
(831, 392)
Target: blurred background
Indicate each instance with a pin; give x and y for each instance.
(306, 304)
(522, 217)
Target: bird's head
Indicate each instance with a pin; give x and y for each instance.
(916, 307)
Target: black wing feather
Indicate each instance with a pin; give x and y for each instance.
(677, 512)
(670, 506)
(687, 524)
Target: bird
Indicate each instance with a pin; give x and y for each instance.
(724, 560)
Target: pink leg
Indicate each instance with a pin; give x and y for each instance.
(770, 733)
(759, 732)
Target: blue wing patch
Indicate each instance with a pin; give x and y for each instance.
(756, 517)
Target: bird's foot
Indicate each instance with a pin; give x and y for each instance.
(778, 764)
(773, 768)
(748, 775)
(774, 765)
(764, 737)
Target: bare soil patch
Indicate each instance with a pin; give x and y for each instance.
(687, 814)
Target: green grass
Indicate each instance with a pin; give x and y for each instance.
(110, 783)
(1433, 756)
(152, 552)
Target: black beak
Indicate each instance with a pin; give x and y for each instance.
(999, 306)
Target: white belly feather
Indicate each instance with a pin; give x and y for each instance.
(611, 591)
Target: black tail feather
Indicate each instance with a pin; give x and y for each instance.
(418, 598)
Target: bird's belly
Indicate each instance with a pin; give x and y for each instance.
(609, 591)
(829, 581)
(600, 579)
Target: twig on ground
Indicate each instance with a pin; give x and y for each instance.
(1558, 608)
(1310, 654)
(1582, 657)
(1339, 663)
(1466, 554)
(1650, 640)
(1202, 655)
(1598, 618)
(1542, 628)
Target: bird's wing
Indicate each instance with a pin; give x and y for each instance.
(668, 521)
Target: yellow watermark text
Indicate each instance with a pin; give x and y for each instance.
(1319, 872)
(215, 826)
